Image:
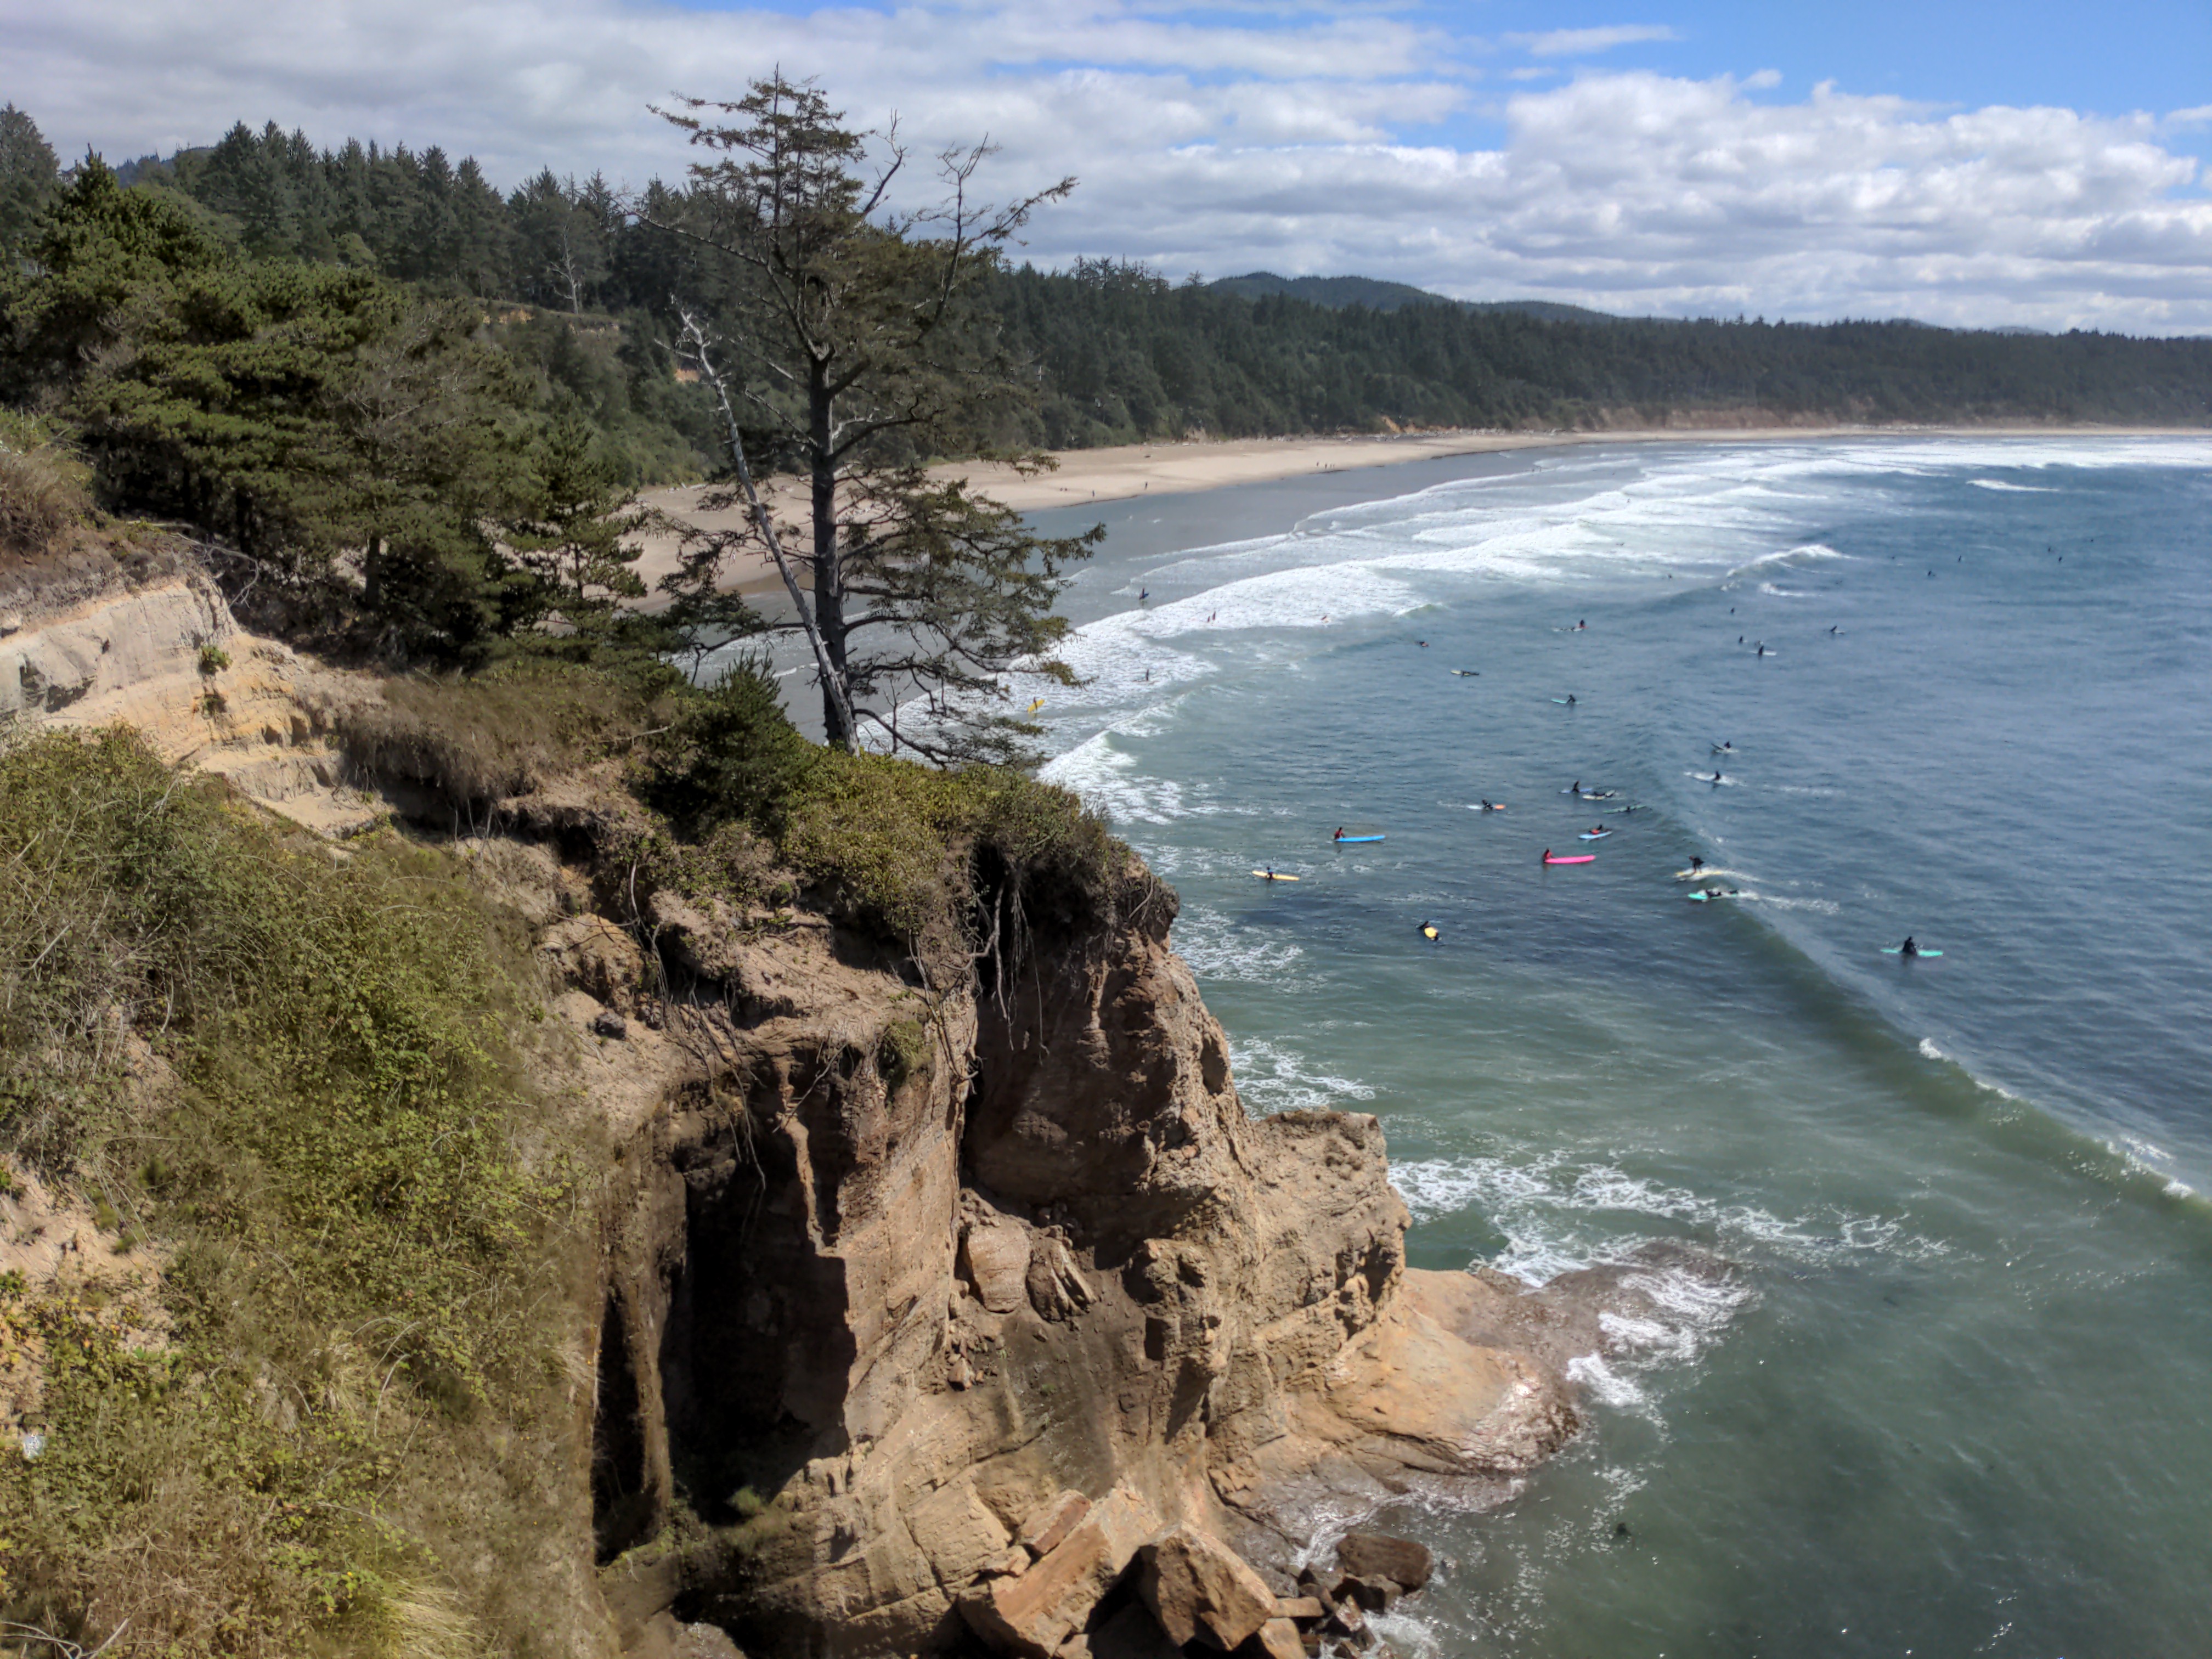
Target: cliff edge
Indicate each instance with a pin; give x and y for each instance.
(907, 1241)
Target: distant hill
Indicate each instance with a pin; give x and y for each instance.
(1337, 292)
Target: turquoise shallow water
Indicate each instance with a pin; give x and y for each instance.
(1958, 1397)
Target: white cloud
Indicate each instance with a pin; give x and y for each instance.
(1585, 43)
(1243, 140)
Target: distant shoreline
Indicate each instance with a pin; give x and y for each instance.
(1126, 470)
(1118, 473)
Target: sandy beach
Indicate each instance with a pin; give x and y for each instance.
(1167, 469)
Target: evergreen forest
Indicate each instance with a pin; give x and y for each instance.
(576, 287)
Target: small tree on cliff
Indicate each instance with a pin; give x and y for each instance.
(844, 343)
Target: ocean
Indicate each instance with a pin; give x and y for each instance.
(1956, 1396)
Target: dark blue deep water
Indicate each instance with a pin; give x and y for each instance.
(1959, 1398)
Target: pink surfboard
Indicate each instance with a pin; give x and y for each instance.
(1580, 858)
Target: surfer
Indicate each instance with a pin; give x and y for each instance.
(1429, 931)
(1548, 855)
(1717, 774)
(1908, 949)
(1338, 836)
(1144, 593)
(1424, 644)
(1486, 806)
(1697, 866)
(1571, 700)
(1762, 647)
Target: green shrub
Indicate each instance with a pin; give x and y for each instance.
(891, 846)
(728, 754)
(363, 1215)
(214, 659)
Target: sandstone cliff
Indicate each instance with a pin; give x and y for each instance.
(891, 1262)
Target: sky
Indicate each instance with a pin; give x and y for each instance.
(2033, 164)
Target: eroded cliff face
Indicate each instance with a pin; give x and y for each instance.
(866, 1312)
(141, 636)
(890, 1263)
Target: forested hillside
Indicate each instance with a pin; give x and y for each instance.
(1119, 352)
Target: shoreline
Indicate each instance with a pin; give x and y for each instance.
(1126, 471)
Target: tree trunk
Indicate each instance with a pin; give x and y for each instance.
(828, 577)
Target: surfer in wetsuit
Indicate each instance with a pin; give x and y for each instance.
(1908, 949)
(1571, 700)
(1696, 864)
(1717, 774)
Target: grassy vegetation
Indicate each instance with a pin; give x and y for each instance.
(295, 1073)
(896, 849)
(476, 739)
(292, 1078)
(45, 489)
(741, 805)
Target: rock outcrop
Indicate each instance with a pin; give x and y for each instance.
(928, 1308)
(143, 638)
(872, 1324)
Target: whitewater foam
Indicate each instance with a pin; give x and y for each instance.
(1553, 1212)
(1272, 1077)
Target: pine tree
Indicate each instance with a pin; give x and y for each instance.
(574, 527)
(28, 173)
(847, 332)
